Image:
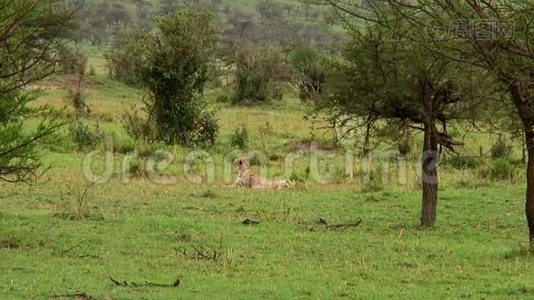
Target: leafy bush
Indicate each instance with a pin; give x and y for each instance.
(71, 61)
(500, 149)
(502, 169)
(85, 138)
(122, 63)
(296, 178)
(58, 142)
(462, 162)
(239, 138)
(257, 160)
(259, 74)
(75, 63)
(172, 64)
(206, 129)
(148, 149)
(92, 71)
(311, 72)
(137, 126)
(224, 99)
(372, 186)
(137, 168)
(124, 147)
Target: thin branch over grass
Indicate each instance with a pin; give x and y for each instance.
(124, 283)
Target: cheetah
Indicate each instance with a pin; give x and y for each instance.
(247, 178)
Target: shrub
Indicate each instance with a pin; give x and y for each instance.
(239, 138)
(502, 169)
(84, 137)
(372, 187)
(223, 99)
(148, 149)
(137, 168)
(57, 142)
(311, 72)
(462, 162)
(257, 160)
(123, 62)
(92, 71)
(137, 126)
(206, 129)
(75, 64)
(71, 61)
(296, 178)
(259, 74)
(251, 87)
(76, 97)
(500, 149)
(124, 147)
(173, 65)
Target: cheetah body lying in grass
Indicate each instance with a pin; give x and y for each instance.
(247, 178)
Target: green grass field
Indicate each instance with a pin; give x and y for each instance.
(58, 242)
(138, 233)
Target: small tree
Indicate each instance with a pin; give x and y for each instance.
(74, 62)
(384, 76)
(494, 36)
(123, 61)
(173, 65)
(259, 74)
(30, 34)
(310, 72)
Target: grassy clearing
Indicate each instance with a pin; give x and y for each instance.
(137, 232)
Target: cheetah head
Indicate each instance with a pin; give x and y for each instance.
(241, 163)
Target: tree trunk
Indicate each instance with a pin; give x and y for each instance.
(429, 176)
(529, 207)
(523, 104)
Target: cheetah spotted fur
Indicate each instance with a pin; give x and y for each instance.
(247, 178)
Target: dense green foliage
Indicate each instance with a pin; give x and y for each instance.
(19, 156)
(262, 22)
(172, 64)
(311, 72)
(384, 76)
(31, 33)
(260, 74)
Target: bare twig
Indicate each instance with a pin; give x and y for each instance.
(339, 226)
(201, 253)
(124, 283)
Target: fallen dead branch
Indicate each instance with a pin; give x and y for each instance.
(343, 226)
(250, 222)
(71, 252)
(201, 252)
(322, 224)
(124, 283)
(77, 296)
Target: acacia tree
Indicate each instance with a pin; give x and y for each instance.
(383, 76)
(491, 35)
(30, 34)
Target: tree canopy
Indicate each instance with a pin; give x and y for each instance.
(31, 32)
